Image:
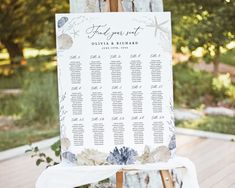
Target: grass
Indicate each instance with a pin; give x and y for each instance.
(39, 100)
(9, 106)
(14, 77)
(36, 109)
(16, 136)
(11, 82)
(228, 57)
(220, 124)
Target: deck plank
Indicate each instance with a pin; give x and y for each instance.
(227, 182)
(219, 176)
(208, 160)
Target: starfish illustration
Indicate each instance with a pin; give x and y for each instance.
(75, 33)
(158, 26)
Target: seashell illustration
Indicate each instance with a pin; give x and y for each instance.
(65, 143)
(147, 156)
(65, 41)
(162, 154)
(62, 21)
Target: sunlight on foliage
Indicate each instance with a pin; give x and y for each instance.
(223, 87)
(231, 45)
(220, 124)
(199, 52)
(223, 81)
(31, 52)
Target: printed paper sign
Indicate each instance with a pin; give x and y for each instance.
(115, 87)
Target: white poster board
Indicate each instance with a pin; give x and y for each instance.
(115, 86)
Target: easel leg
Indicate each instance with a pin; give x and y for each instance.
(119, 179)
(166, 179)
(114, 6)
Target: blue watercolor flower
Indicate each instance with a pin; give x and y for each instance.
(172, 144)
(69, 157)
(122, 156)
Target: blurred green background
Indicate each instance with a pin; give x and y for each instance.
(203, 58)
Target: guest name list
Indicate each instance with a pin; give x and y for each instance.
(115, 79)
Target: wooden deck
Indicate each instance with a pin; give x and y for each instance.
(214, 160)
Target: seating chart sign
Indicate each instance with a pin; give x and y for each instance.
(115, 87)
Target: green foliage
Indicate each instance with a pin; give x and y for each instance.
(18, 135)
(56, 148)
(206, 24)
(193, 88)
(42, 158)
(35, 110)
(223, 87)
(190, 86)
(221, 124)
(28, 23)
(28, 19)
(21, 79)
(11, 78)
(11, 82)
(228, 57)
(39, 100)
(9, 105)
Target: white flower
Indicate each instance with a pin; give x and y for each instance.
(91, 157)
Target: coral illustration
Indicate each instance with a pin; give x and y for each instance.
(122, 156)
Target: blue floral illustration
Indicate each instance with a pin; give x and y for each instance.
(69, 157)
(172, 144)
(122, 156)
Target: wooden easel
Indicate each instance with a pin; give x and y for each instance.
(116, 6)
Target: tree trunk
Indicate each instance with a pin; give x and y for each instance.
(15, 52)
(216, 62)
(216, 67)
